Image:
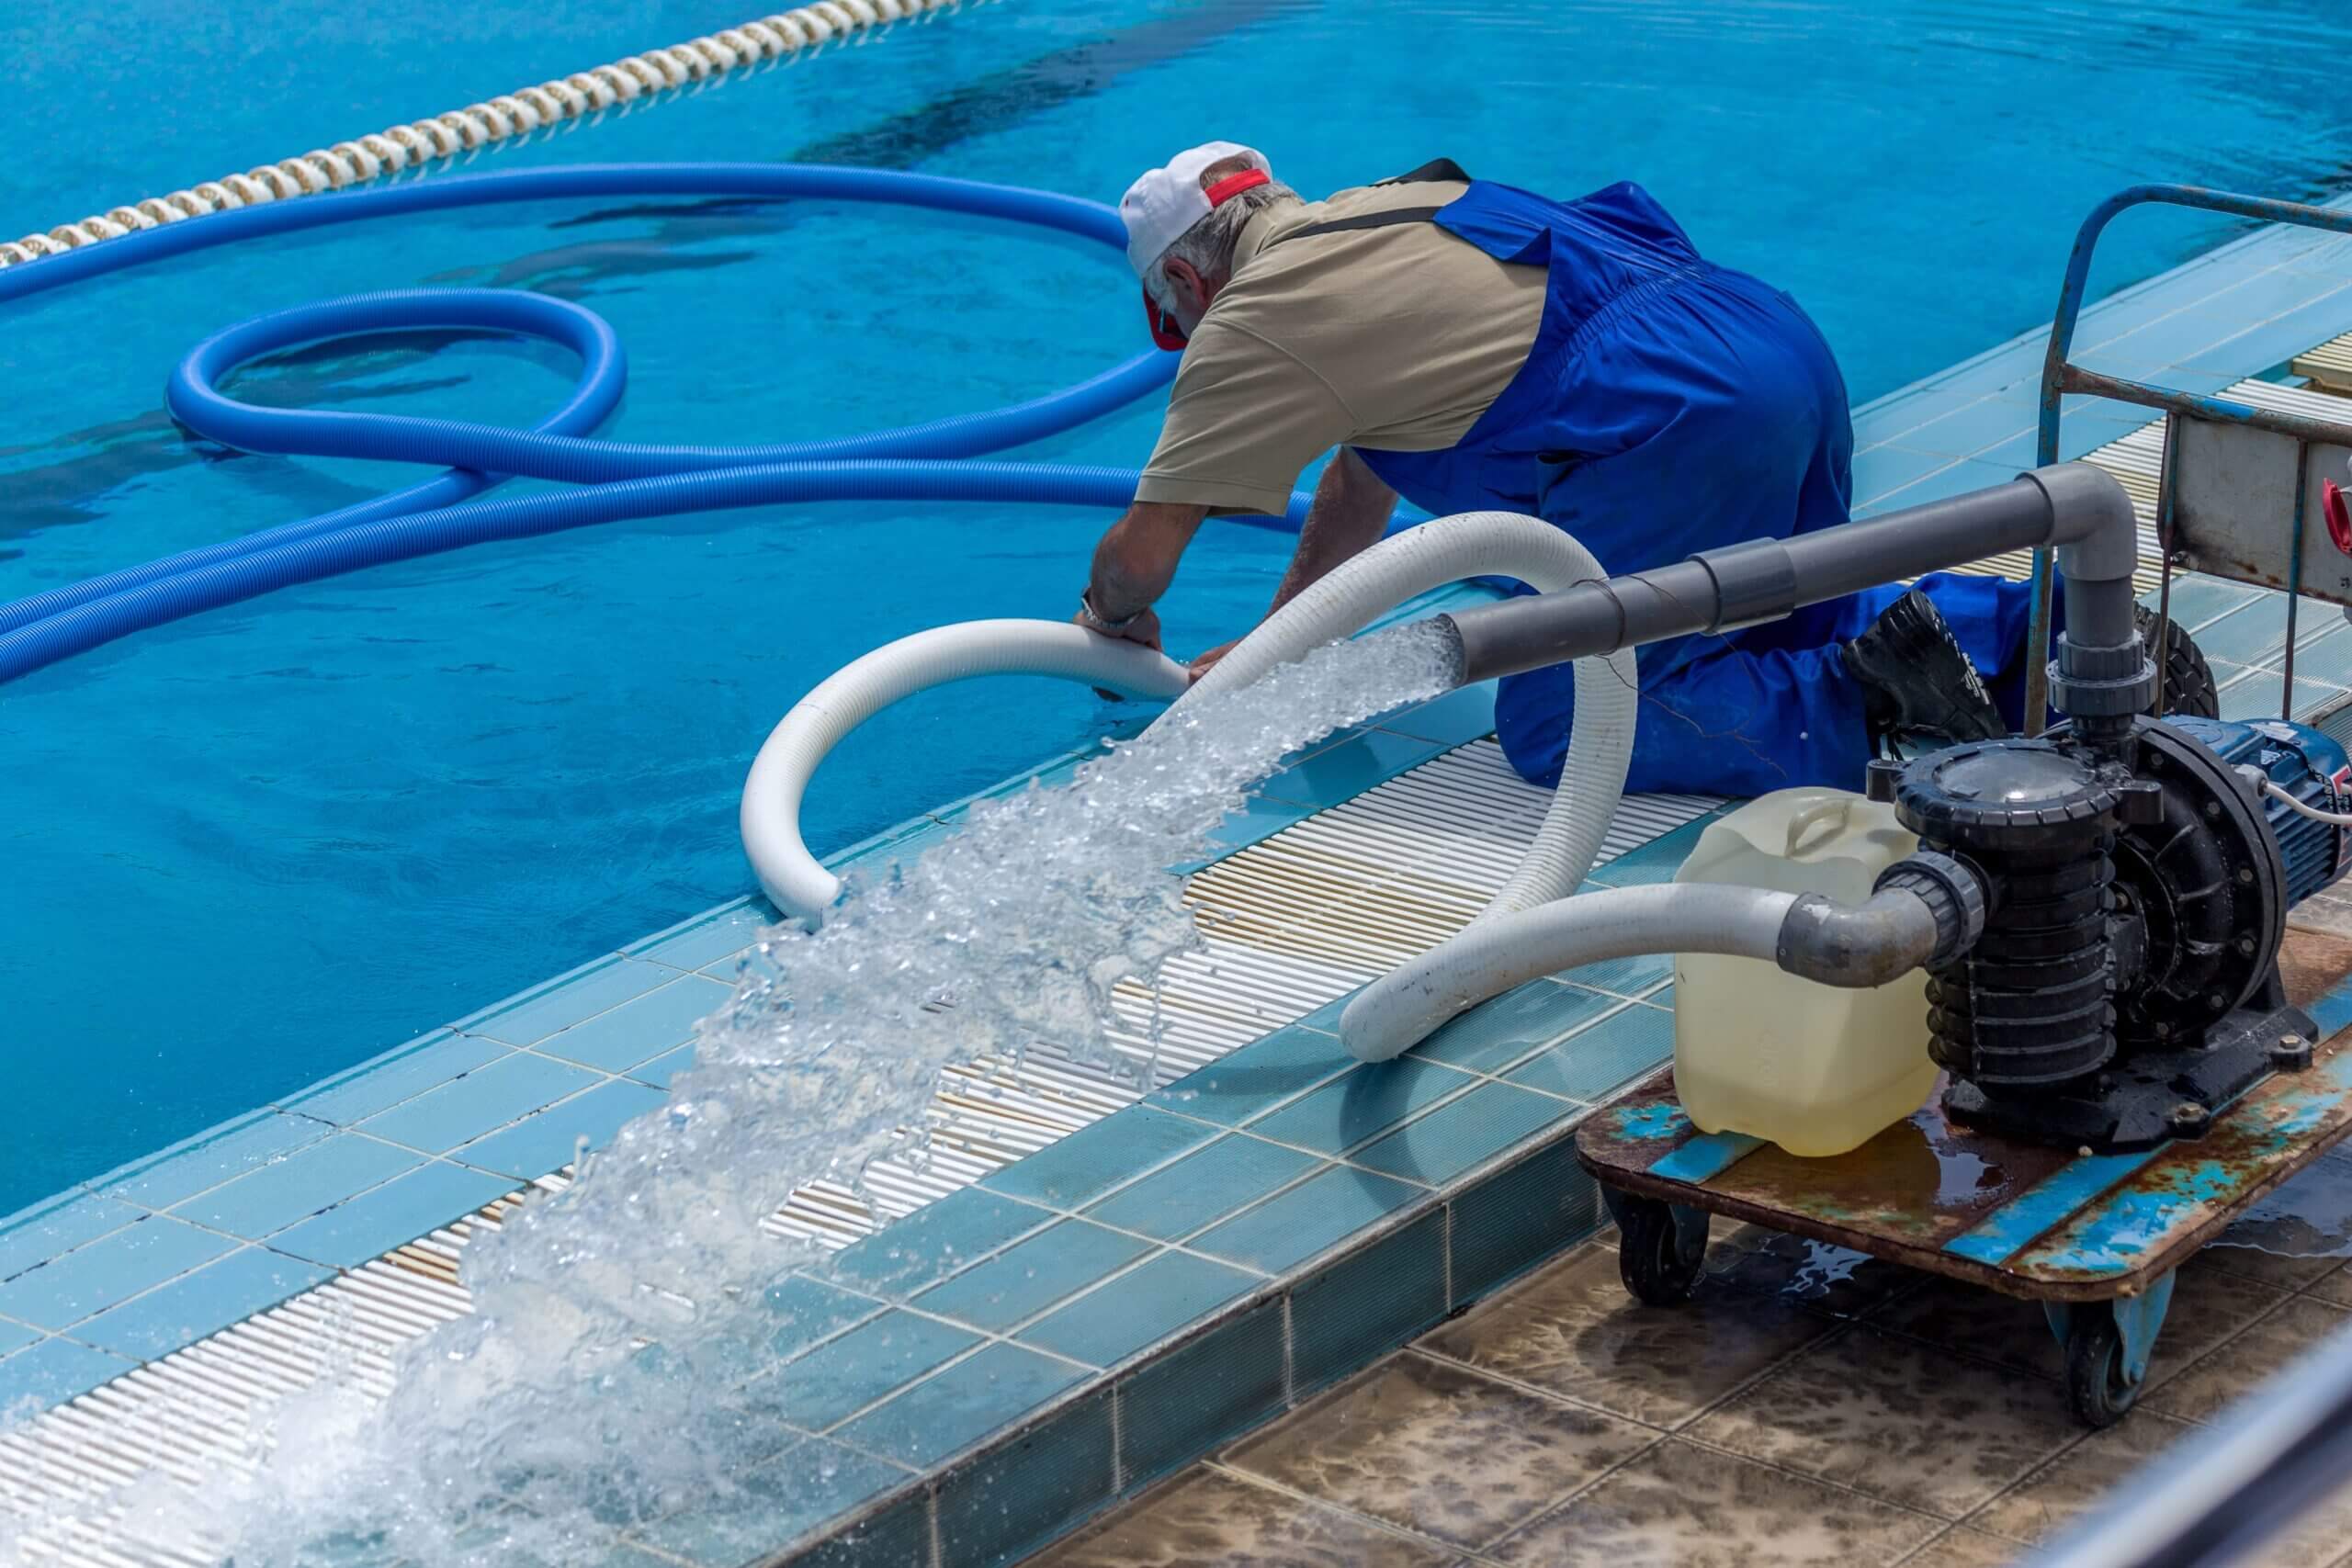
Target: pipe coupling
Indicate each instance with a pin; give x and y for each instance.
(1953, 892)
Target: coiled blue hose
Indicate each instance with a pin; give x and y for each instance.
(626, 479)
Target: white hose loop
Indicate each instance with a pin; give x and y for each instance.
(1480, 544)
(507, 118)
(1600, 742)
(780, 774)
(1399, 1010)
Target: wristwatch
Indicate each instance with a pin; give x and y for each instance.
(1097, 621)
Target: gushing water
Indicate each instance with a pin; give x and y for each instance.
(618, 1365)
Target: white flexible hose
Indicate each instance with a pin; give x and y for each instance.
(506, 120)
(1382, 1020)
(780, 774)
(1400, 1010)
(1477, 544)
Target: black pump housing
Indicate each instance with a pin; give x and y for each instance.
(2126, 983)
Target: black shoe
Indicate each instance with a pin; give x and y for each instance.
(1917, 683)
(2188, 680)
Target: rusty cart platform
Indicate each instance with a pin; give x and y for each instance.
(2094, 1238)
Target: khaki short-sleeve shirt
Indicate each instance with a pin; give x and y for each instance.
(1395, 338)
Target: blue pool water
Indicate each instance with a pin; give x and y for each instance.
(249, 849)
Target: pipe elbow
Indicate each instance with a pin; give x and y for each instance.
(2091, 522)
(1857, 946)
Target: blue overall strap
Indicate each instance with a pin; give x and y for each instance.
(1596, 249)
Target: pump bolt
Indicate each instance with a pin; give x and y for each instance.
(2213, 808)
(2291, 1054)
(2189, 1119)
(2246, 946)
(2245, 873)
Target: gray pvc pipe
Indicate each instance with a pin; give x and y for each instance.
(2075, 506)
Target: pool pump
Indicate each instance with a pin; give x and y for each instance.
(2099, 908)
(2131, 878)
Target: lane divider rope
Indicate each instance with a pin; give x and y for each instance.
(507, 119)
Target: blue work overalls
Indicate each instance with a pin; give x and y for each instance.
(1669, 406)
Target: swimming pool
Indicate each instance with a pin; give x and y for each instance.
(258, 846)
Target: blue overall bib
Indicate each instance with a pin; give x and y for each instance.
(1669, 406)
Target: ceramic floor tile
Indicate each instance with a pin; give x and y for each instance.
(55, 1371)
(210, 1159)
(1030, 1276)
(1210, 1520)
(1573, 1330)
(1287, 1230)
(113, 1269)
(1681, 1506)
(1360, 1106)
(1960, 1547)
(641, 1028)
(1828, 1278)
(550, 1139)
(2208, 1388)
(35, 1235)
(924, 1424)
(2052, 1495)
(1897, 1420)
(298, 1186)
(1184, 1197)
(2050, 1499)
(708, 940)
(400, 1074)
(2209, 1305)
(1106, 1325)
(1432, 1447)
(480, 1103)
(248, 1280)
(564, 1002)
(392, 1215)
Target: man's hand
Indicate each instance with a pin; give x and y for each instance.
(1202, 662)
(1144, 628)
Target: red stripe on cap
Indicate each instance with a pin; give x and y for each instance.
(1234, 184)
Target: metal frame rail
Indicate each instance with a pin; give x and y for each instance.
(2061, 376)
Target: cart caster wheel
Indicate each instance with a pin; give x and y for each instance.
(1660, 1248)
(2097, 1385)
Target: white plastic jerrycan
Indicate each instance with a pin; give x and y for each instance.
(1815, 1068)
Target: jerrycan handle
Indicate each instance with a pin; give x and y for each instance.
(1813, 815)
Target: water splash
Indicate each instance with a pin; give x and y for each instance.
(618, 1364)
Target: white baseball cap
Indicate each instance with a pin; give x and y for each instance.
(1165, 202)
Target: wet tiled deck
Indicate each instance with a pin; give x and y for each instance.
(1806, 1407)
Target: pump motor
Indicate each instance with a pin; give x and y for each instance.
(2135, 877)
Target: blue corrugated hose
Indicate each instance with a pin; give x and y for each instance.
(626, 479)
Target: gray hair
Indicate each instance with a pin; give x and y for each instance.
(1208, 246)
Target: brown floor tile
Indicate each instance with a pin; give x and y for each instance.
(2051, 1497)
(2213, 1384)
(1209, 1520)
(2333, 1286)
(1827, 1279)
(2047, 1501)
(1960, 1547)
(1681, 1506)
(1451, 1454)
(1897, 1420)
(1573, 1330)
(2280, 1271)
(2209, 1305)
